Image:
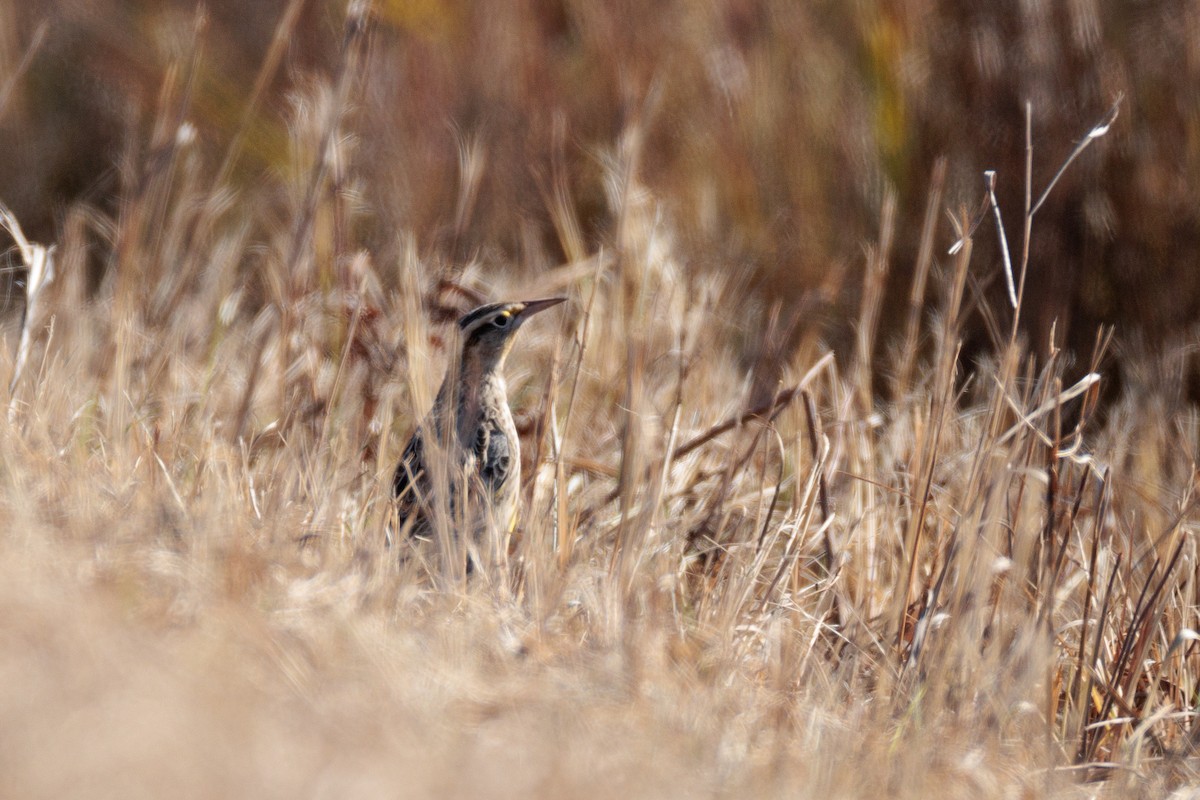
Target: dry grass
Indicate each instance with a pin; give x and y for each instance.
(741, 571)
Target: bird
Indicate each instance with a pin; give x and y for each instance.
(471, 426)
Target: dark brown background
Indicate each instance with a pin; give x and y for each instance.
(772, 131)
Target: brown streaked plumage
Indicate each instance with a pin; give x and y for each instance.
(474, 429)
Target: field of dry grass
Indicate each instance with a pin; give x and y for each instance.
(747, 565)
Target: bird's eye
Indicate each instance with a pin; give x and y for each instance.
(502, 321)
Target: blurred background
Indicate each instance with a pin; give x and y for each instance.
(772, 132)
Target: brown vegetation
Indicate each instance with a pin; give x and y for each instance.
(749, 564)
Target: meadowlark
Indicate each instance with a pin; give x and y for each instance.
(472, 428)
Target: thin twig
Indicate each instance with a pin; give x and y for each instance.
(990, 177)
(266, 73)
(765, 409)
(1100, 129)
(35, 44)
(39, 263)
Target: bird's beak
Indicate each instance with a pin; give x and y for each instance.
(534, 306)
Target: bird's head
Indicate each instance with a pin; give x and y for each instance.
(487, 332)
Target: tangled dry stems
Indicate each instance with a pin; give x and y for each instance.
(734, 575)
